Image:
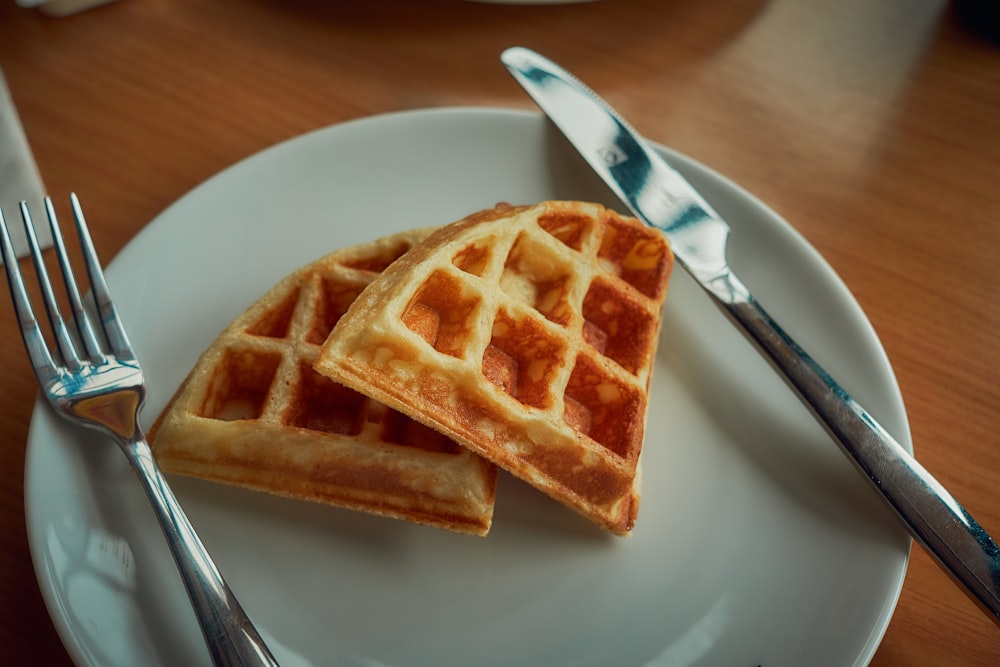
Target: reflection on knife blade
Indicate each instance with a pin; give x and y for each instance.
(656, 193)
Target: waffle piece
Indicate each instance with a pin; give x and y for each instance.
(253, 413)
(527, 334)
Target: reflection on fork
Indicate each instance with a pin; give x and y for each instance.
(94, 379)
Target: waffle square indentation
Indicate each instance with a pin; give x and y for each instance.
(570, 228)
(603, 408)
(620, 329)
(442, 314)
(473, 259)
(521, 358)
(319, 404)
(277, 321)
(239, 385)
(533, 276)
(636, 256)
(332, 299)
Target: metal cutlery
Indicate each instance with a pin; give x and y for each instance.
(95, 380)
(660, 196)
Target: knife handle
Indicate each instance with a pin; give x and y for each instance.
(934, 518)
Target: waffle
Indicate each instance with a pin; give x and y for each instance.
(527, 334)
(253, 413)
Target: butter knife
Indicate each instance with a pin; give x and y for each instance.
(661, 197)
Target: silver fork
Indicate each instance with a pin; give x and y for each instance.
(102, 387)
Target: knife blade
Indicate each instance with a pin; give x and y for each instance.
(661, 197)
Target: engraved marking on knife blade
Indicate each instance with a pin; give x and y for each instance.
(612, 156)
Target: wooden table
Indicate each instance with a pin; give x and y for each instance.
(874, 128)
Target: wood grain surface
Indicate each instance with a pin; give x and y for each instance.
(873, 127)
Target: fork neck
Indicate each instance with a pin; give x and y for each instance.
(117, 411)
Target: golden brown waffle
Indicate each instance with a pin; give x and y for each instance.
(253, 413)
(527, 334)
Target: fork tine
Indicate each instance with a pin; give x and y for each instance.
(63, 340)
(38, 350)
(111, 323)
(83, 326)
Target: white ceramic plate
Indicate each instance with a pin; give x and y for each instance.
(757, 543)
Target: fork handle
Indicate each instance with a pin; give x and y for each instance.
(933, 517)
(231, 637)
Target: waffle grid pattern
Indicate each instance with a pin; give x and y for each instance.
(571, 328)
(264, 419)
(251, 378)
(526, 334)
